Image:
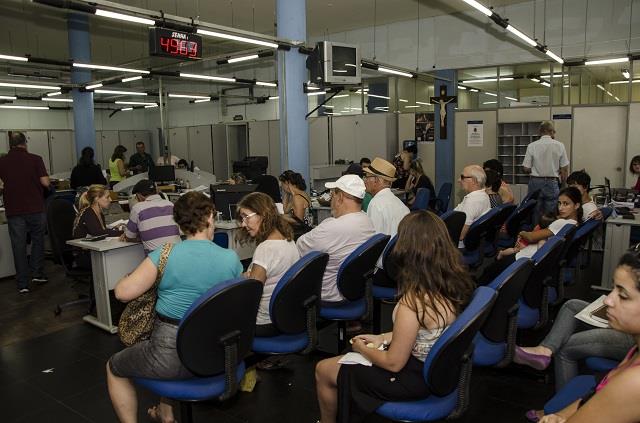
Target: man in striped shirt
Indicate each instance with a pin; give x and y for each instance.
(151, 219)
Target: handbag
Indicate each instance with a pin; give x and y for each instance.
(136, 321)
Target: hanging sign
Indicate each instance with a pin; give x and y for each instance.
(475, 136)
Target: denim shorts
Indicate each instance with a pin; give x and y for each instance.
(155, 358)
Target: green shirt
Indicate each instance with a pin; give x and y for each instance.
(366, 200)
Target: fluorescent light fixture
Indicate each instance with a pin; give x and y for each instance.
(617, 98)
(126, 109)
(411, 107)
(379, 96)
(606, 61)
(54, 94)
(150, 107)
(626, 74)
(92, 87)
(328, 106)
(277, 97)
(133, 78)
(355, 108)
(489, 102)
(534, 79)
(566, 86)
(113, 68)
(332, 113)
(8, 97)
(491, 94)
(554, 56)
(479, 7)
(243, 58)
(119, 92)
(522, 36)
(394, 72)
(202, 100)
(18, 58)
(609, 94)
(317, 93)
(502, 78)
(424, 104)
(189, 96)
(554, 75)
(546, 84)
(511, 98)
(601, 87)
(460, 87)
(61, 100)
(122, 17)
(340, 71)
(312, 88)
(341, 96)
(402, 100)
(473, 90)
(136, 103)
(207, 77)
(266, 84)
(11, 106)
(624, 82)
(31, 86)
(236, 38)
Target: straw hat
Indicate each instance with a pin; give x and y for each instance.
(382, 169)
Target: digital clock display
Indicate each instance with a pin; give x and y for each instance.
(170, 43)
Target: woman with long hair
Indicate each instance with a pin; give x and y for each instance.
(117, 168)
(434, 289)
(296, 202)
(87, 172)
(417, 179)
(493, 187)
(90, 218)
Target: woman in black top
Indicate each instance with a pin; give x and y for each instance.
(90, 219)
(87, 172)
(417, 179)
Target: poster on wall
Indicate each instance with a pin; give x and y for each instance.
(475, 137)
(424, 127)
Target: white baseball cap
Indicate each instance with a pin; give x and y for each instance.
(351, 184)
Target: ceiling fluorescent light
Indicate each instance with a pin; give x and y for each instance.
(410, 107)
(133, 78)
(502, 78)
(546, 84)
(54, 94)
(207, 77)
(534, 79)
(18, 58)
(119, 92)
(189, 96)
(492, 94)
(202, 100)
(402, 100)
(379, 96)
(566, 86)
(473, 90)
(479, 7)
(554, 56)
(624, 82)
(317, 93)
(511, 98)
(31, 86)
(150, 107)
(11, 106)
(310, 88)
(266, 84)
(341, 96)
(606, 61)
(113, 68)
(328, 106)
(394, 72)
(424, 104)
(8, 97)
(489, 102)
(625, 73)
(242, 59)
(92, 87)
(61, 100)
(122, 17)
(136, 103)
(460, 87)
(617, 99)
(276, 97)
(236, 38)
(522, 36)
(601, 87)
(126, 109)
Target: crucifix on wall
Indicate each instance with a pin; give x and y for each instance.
(443, 100)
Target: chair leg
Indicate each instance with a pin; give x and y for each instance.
(342, 336)
(186, 414)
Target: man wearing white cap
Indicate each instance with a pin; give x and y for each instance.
(385, 209)
(341, 234)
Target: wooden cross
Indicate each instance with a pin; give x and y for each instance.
(443, 100)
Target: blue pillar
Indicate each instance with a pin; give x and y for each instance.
(80, 50)
(291, 20)
(445, 149)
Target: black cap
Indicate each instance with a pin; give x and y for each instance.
(144, 187)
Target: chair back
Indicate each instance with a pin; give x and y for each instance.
(454, 220)
(296, 290)
(221, 239)
(606, 212)
(505, 211)
(444, 362)
(545, 261)
(479, 229)
(521, 215)
(421, 202)
(531, 195)
(443, 198)
(354, 271)
(60, 218)
(225, 314)
(509, 285)
(581, 236)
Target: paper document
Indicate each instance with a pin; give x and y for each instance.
(280, 208)
(354, 358)
(117, 223)
(595, 314)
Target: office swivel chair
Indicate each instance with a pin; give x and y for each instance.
(60, 217)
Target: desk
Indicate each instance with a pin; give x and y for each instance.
(616, 243)
(110, 261)
(231, 227)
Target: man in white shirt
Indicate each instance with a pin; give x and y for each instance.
(476, 203)
(341, 234)
(546, 160)
(385, 209)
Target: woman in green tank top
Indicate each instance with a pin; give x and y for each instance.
(117, 168)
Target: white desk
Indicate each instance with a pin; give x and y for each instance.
(231, 227)
(616, 243)
(110, 261)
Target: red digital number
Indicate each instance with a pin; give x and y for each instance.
(164, 43)
(179, 47)
(193, 49)
(175, 46)
(183, 47)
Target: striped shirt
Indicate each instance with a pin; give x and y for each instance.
(152, 220)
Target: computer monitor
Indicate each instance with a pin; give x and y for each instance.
(226, 197)
(162, 174)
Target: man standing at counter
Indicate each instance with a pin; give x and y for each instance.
(25, 179)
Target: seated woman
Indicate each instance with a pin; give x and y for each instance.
(434, 288)
(90, 218)
(569, 212)
(117, 168)
(493, 187)
(296, 201)
(87, 172)
(616, 396)
(193, 267)
(417, 179)
(505, 190)
(275, 254)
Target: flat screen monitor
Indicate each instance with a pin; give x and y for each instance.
(226, 197)
(162, 174)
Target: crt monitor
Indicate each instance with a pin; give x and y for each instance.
(162, 174)
(226, 197)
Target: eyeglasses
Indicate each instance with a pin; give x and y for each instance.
(462, 176)
(364, 178)
(244, 218)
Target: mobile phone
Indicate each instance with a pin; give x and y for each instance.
(95, 238)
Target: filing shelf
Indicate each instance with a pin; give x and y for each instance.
(513, 139)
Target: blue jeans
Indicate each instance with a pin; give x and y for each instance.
(19, 227)
(549, 190)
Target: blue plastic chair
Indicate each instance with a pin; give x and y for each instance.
(572, 258)
(600, 364)
(515, 223)
(443, 198)
(575, 389)
(496, 340)
(472, 254)
(293, 308)
(221, 239)
(454, 220)
(213, 338)
(384, 292)
(421, 202)
(490, 244)
(352, 280)
(447, 369)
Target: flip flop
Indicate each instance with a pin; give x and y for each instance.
(154, 416)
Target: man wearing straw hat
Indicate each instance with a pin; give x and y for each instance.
(385, 209)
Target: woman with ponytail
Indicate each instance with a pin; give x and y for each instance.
(90, 219)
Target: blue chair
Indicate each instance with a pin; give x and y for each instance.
(575, 389)
(383, 284)
(572, 258)
(454, 220)
(447, 369)
(443, 198)
(352, 280)
(221, 239)
(505, 211)
(531, 195)
(421, 202)
(213, 338)
(472, 254)
(515, 223)
(495, 342)
(606, 212)
(600, 364)
(293, 308)
(538, 292)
